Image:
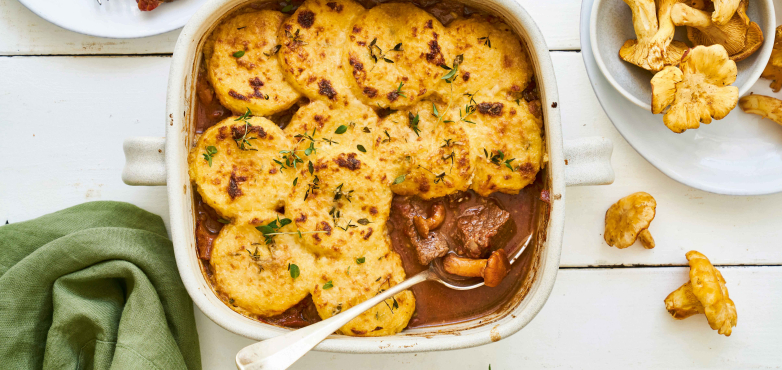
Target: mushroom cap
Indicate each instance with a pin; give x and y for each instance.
(497, 268)
(626, 219)
(682, 303)
(708, 286)
(724, 10)
(764, 106)
(740, 37)
(700, 90)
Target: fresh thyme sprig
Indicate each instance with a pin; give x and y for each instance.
(381, 55)
(498, 158)
(315, 185)
(270, 230)
(437, 178)
(485, 41)
(289, 6)
(273, 51)
(453, 71)
(295, 37)
(399, 90)
(335, 217)
(339, 194)
(413, 123)
(210, 153)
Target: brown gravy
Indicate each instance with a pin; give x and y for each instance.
(435, 304)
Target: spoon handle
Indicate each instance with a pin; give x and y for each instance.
(280, 352)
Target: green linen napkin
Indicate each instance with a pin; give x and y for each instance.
(94, 286)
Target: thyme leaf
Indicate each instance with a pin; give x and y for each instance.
(210, 153)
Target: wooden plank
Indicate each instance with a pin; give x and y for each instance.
(64, 120)
(81, 109)
(24, 33)
(594, 319)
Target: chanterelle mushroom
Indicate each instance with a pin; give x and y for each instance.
(629, 219)
(698, 90)
(724, 10)
(704, 293)
(764, 106)
(654, 48)
(773, 69)
(740, 36)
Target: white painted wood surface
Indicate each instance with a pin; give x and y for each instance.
(595, 319)
(63, 120)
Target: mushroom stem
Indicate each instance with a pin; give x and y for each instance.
(646, 239)
(644, 18)
(492, 270)
(423, 225)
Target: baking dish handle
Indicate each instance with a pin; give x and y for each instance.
(145, 161)
(588, 161)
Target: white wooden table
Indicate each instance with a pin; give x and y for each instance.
(67, 101)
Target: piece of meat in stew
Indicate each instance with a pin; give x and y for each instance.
(427, 247)
(477, 225)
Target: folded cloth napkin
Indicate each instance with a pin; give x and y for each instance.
(94, 286)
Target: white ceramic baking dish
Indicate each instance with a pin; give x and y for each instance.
(163, 161)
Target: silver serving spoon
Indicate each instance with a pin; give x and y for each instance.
(280, 352)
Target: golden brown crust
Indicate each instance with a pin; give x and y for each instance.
(311, 49)
(341, 203)
(394, 44)
(243, 185)
(242, 70)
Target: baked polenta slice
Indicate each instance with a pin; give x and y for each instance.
(233, 169)
(346, 282)
(395, 51)
(345, 198)
(311, 46)
(506, 144)
(436, 152)
(243, 68)
(335, 126)
(494, 60)
(254, 275)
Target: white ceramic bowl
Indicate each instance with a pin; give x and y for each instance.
(611, 24)
(163, 161)
(118, 19)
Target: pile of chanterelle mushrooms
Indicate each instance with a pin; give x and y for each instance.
(693, 85)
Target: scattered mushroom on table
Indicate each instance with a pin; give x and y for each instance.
(629, 219)
(705, 293)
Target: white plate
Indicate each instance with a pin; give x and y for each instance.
(739, 155)
(115, 18)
